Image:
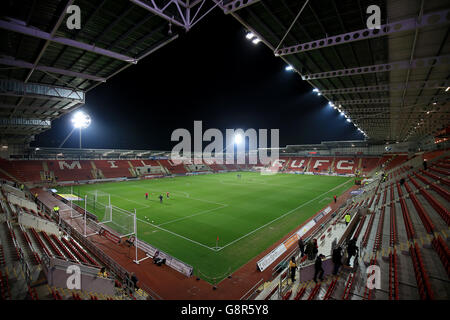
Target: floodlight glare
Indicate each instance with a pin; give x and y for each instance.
(256, 41)
(348, 120)
(81, 120)
(250, 35)
(342, 114)
(289, 68)
(238, 138)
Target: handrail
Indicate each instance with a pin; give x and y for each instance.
(252, 289)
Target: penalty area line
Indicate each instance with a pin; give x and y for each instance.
(178, 235)
(193, 215)
(282, 216)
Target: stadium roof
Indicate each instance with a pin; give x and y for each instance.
(390, 82)
(47, 68)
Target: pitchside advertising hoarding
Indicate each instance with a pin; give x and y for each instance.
(273, 255)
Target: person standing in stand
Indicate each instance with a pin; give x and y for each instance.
(292, 269)
(301, 246)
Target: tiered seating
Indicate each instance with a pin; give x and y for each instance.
(443, 165)
(348, 286)
(393, 276)
(54, 248)
(70, 171)
(423, 282)
(41, 244)
(297, 164)
(368, 230)
(393, 239)
(78, 255)
(369, 164)
(441, 171)
(5, 290)
(320, 164)
(379, 235)
(12, 242)
(330, 289)
(358, 230)
(174, 169)
(367, 290)
(58, 243)
(300, 293)
(83, 253)
(407, 220)
(137, 163)
(429, 226)
(2, 256)
(213, 165)
(32, 293)
(396, 161)
(345, 165)
(433, 154)
(444, 193)
(23, 170)
(314, 291)
(114, 168)
(443, 252)
(38, 214)
(440, 209)
(35, 256)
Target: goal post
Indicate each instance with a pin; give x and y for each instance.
(119, 220)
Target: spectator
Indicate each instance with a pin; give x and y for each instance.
(347, 218)
(337, 259)
(102, 273)
(335, 198)
(301, 246)
(292, 269)
(315, 248)
(135, 280)
(351, 250)
(309, 250)
(318, 270)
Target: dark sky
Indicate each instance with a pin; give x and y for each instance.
(214, 74)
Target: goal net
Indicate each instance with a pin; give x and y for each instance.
(120, 220)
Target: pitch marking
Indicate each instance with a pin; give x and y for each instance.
(177, 235)
(282, 216)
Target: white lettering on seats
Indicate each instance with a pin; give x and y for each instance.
(319, 162)
(112, 164)
(293, 165)
(71, 166)
(340, 165)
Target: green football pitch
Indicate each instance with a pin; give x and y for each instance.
(246, 214)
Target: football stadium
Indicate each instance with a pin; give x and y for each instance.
(314, 165)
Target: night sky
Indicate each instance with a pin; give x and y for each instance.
(214, 74)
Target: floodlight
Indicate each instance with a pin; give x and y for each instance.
(315, 90)
(250, 35)
(342, 114)
(348, 120)
(81, 120)
(256, 41)
(237, 138)
(289, 68)
(331, 104)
